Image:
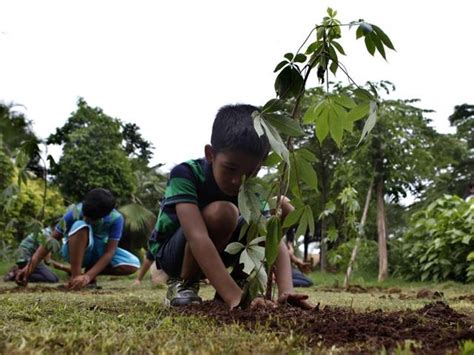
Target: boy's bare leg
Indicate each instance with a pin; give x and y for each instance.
(77, 247)
(221, 220)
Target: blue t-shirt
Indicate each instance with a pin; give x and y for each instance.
(108, 228)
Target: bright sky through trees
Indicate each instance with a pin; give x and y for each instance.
(168, 66)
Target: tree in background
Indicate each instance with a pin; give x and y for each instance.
(25, 200)
(93, 155)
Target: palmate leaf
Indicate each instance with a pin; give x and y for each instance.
(137, 217)
(322, 124)
(336, 124)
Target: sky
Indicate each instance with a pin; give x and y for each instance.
(169, 65)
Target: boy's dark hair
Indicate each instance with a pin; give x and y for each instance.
(233, 130)
(98, 203)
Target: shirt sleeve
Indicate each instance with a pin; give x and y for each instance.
(66, 222)
(115, 232)
(181, 187)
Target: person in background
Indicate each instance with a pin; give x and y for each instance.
(91, 231)
(26, 249)
(469, 191)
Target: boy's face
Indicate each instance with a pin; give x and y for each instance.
(230, 166)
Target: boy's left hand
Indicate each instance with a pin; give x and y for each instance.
(296, 300)
(79, 282)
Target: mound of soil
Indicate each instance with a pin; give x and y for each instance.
(435, 327)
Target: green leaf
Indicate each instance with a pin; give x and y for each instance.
(289, 56)
(358, 112)
(281, 65)
(370, 123)
(322, 124)
(385, 39)
(335, 60)
(307, 173)
(274, 234)
(272, 159)
(234, 248)
(314, 47)
(293, 217)
(363, 94)
(378, 44)
(338, 47)
(285, 125)
(359, 32)
(273, 105)
(370, 45)
(310, 219)
(303, 225)
(345, 101)
(245, 259)
(250, 291)
(274, 138)
(300, 58)
(306, 154)
(249, 204)
(314, 111)
(289, 82)
(336, 125)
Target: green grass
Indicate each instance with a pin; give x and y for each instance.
(121, 318)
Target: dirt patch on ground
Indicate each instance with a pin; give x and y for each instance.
(43, 289)
(434, 328)
(469, 298)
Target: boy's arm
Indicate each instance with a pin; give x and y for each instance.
(143, 270)
(24, 274)
(99, 266)
(205, 253)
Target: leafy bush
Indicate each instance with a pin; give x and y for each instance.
(24, 207)
(439, 242)
(367, 257)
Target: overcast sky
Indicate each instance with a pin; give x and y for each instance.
(169, 65)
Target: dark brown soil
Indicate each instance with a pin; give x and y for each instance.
(436, 328)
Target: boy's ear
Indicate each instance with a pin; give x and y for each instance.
(209, 153)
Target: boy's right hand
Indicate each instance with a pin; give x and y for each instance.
(136, 282)
(23, 275)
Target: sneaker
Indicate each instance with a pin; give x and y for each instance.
(181, 293)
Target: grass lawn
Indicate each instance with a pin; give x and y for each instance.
(121, 318)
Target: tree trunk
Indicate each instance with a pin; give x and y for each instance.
(360, 234)
(382, 232)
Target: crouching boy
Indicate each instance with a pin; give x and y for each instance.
(199, 216)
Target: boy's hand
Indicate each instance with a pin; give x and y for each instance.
(23, 275)
(296, 300)
(304, 267)
(136, 282)
(79, 282)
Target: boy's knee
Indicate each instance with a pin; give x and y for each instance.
(221, 214)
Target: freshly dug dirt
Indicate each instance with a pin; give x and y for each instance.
(435, 328)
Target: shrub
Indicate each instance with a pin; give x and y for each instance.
(439, 242)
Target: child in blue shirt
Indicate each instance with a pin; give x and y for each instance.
(91, 231)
